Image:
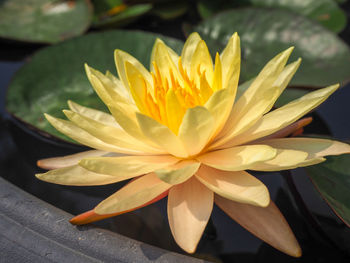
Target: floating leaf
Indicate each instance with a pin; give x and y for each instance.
(56, 73)
(332, 180)
(266, 32)
(170, 9)
(43, 21)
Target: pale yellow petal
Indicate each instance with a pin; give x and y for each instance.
(68, 160)
(188, 50)
(78, 176)
(217, 77)
(111, 135)
(179, 172)
(238, 158)
(162, 136)
(284, 160)
(189, 207)
(238, 186)
(201, 61)
(257, 99)
(267, 223)
(79, 135)
(173, 55)
(134, 194)
(127, 165)
(96, 115)
(231, 62)
(315, 147)
(119, 86)
(196, 128)
(220, 105)
(120, 58)
(286, 75)
(284, 116)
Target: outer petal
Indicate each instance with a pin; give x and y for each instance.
(111, 134)
(96, 115)
(196, 128)
(78, 176)
(315, 147)
(91, 216)
(134, 194)
(127, 165)
(284, 160)
(179, 172)
(258, 98)
(282, 117)
(266, 223)
(188, 50)
(238, 158)
(68, 160)
(189, 208)
(162, 136)
(81, 136)
(237, 186)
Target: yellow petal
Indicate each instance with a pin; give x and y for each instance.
(286, 75)
(201, 60)
(119, 87)
(79, 135)
(189, 208)
(231, 62)
(217, 78)
(111, 135)
(174, 111)
(237, 186)
(220, 105)
(173, 55)
(266, 223)
(315, 147)
(162, 136)
(134, 194)
(284, 160)
(282, 117)
(196, 128)
(78, 176)
(179, 172)
(127, 165)
(96, 115)
(188, 50)
(257, 99)
(238, 158)
(120, 58)
(68, 160)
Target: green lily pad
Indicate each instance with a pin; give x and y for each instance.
(170, 9)
(44, 21)
(266, 32)
(332, 180)
(326, 12)
(56, 74)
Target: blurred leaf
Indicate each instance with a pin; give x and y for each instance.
(43, 21)
(56, 74)
(266, 32)
(117, 17)
(332, 180)
(326, 12)
(171, 9)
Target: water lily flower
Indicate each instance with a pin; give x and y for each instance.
(186, 133)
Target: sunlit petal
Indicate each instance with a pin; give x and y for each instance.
(189, 208)
(188, 50)
(179, 172)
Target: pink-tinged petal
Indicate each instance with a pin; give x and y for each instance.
(91, 216)
(135, 194)
(189, 208)
(68, 160)
(237, 186)
(266, 223)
